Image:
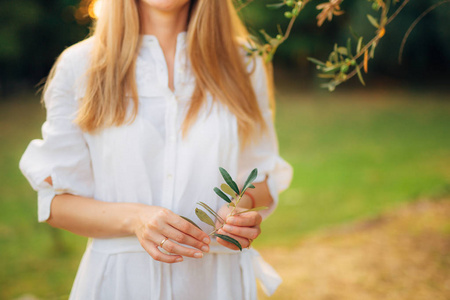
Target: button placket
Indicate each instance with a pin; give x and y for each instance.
(170, 155)
(179, 63)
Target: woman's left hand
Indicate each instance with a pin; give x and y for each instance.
(243, 227)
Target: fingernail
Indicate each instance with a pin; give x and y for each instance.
(228, 228)
(205, 248)
(179, 259)
(230, 220)
(198, 255)
(206, 240)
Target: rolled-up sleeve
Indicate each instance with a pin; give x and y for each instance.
(62, 153)
(263, 153)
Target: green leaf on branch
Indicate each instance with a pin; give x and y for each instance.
(316, 61)
(266, 36)
(331, 69)
(358, 71)
(275, 5)
(373, 21)
(372, 50)
(326, 76)
(221, 195)
(227, 189)
(358, 48)
(204, 217)
(349, 48)
(229, 240)
(229, 180)
(342, 50)
(211, 211)
(250, 179)
(192, 222)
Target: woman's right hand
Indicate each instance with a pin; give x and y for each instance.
(154, 224)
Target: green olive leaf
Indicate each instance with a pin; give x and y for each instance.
(331, 69)
(360, 77)
(373, 21)
(250, 179)
(192, 222)
(342, 50)
(316, 61)
(229, 180)
(227, 189)
(349, 47)
(275, 5)
(204, 217)
(372, 50)
(229, 240)
(221, 195)
(358, 47)
(211, 211)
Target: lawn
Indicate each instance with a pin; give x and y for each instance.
(355, 154)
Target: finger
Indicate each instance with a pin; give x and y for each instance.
(154, 252)
(172, 247)
(182, 238)
(188, 228)
(244, 232)
(248, 219)
(243, 241)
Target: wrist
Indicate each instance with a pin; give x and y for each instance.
(131, 220)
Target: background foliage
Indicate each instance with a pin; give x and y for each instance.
(34, 32)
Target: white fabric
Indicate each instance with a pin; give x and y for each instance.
(149, 162)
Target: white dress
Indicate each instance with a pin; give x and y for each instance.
(148, 161)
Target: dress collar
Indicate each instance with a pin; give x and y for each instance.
(152, 40)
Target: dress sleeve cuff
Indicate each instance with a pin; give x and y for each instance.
(274, 194)
(45, 197)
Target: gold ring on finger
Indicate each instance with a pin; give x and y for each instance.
(250, 241)
(162, 242)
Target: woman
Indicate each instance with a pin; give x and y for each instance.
(139, 118)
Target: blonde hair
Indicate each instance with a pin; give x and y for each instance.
(213, 32)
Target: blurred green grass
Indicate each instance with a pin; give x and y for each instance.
(355, 154)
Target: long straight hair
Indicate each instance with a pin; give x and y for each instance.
(213, 36)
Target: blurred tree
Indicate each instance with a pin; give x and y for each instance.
(426, 57)
(34, 32)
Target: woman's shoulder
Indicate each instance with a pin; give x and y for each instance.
(77, 56)
(72, 65)
(79, 50)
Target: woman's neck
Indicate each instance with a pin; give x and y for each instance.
(164, 24)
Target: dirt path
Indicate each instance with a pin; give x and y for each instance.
(401, 255)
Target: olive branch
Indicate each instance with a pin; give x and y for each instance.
(227, 190)
(344, 62)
